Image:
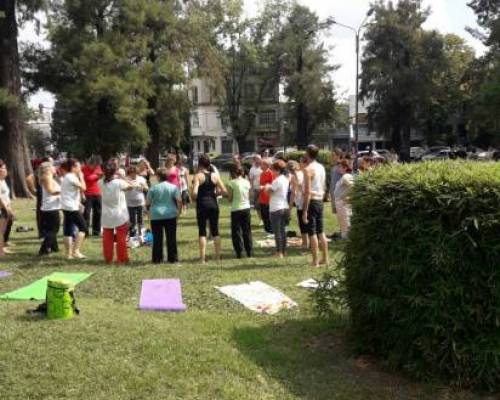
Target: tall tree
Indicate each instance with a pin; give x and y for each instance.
(118, 70)
(307, 73)
(14, 149)
(251, 66)
(401, 62)
(485, 118)
(444, 118)
(90, 67)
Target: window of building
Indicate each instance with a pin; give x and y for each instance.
(195, 120)
(267, 118)
(194, 94)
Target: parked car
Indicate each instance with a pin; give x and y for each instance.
(222, 161)
(384, 153)
(416, 153)
(438, 153)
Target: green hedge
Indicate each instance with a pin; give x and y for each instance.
(422, 270)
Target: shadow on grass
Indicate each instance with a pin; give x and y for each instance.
(310, 359)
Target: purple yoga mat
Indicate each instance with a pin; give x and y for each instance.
(5, 274)
(161, 295)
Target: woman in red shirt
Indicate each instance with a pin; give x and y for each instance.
(92, 172)
(266, 178)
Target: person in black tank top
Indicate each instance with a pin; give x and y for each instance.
(206, 185)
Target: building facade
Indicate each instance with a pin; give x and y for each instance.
(209, 133)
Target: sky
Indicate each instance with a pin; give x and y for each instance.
(448, 16)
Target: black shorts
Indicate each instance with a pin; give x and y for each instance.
(73, 219)
(212, 216)
(302, 226)
(3, 213)
(315, 218)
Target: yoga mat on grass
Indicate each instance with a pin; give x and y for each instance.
(161, 295)
(5, 274)
(37, 289)
(259, 297)
(313, 284)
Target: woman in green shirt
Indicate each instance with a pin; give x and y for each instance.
(241, 223)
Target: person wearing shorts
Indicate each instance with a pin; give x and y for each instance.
(72, 186)
(206, 186)
(314, 192)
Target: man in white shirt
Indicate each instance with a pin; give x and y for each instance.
(254, 176)
(314, 193)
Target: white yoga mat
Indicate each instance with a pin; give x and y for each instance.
(313, 284)
(259, 297)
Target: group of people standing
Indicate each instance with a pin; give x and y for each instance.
(107, 200)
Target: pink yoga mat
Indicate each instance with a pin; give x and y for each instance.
(161, 295)
(5, 274)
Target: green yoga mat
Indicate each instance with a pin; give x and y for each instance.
(37, 290)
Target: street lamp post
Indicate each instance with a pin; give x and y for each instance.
(357, 33)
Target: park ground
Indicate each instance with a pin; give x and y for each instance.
(215, 350)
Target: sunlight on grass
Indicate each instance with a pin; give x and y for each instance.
(216, 350)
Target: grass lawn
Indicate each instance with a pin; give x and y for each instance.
(216, 350)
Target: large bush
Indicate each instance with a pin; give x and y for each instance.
(422, 270)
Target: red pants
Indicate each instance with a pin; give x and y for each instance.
(108, 242)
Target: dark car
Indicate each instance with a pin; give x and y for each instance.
(222, 161)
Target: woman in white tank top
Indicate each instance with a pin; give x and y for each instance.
(50, 209)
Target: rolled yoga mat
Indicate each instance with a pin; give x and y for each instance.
(161, 295)
(38, 289)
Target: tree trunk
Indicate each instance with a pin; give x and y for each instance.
(153, 150)
(14, 149)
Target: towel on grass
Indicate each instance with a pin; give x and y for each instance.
(259, 297)
(38, 289)
(314, 284)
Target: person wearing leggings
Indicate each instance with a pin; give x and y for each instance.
(49, 209)
(72, 187)
(278, 206)
(241, 222)
(206, 186)
(164, 201)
